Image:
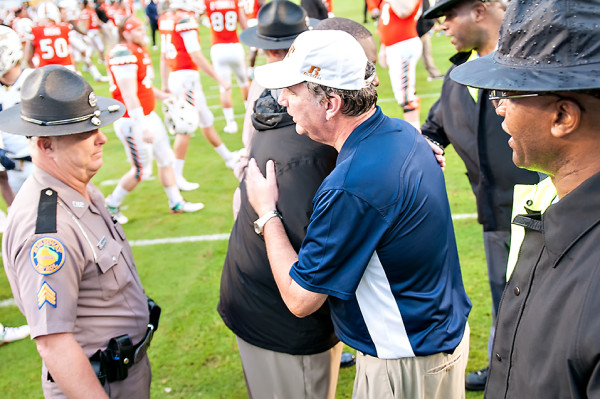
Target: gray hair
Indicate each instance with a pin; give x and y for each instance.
(355, 102)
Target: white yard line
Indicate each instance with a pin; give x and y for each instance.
(211, 237)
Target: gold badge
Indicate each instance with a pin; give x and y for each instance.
(47, 255)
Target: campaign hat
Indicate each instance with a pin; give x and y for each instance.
(549, 46)
(442, 6)
(279, 22)
(56, 102)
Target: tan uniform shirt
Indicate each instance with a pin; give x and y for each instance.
(81, 279)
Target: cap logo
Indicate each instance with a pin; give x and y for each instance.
(291, 50)
(313, 72)
(92, 99)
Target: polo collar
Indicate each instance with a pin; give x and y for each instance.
(361, 132)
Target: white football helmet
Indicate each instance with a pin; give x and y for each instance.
(180, 116)
(48, 11)
(11, 51)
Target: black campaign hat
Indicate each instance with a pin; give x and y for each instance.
(57, 102)
(279, 22)
(442, 6)
(548, 46)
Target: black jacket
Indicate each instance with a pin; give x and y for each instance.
(547, 333)
(475, 131)
(250, 303)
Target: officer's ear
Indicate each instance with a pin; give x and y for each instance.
(44, 144)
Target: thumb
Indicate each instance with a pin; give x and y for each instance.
(270, 170)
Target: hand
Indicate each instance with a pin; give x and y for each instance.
(8, 163)
(262, 192)
(439, 155)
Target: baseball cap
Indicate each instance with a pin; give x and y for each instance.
(330, 58)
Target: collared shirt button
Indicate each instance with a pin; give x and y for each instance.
(498, 357)
(517, 291)
(114, 258)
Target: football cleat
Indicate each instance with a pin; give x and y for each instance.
(186, 207)
(11, 334)
(231, 127)
(116, 214)
(233, 159)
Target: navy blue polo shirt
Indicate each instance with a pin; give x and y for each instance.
(381, 244)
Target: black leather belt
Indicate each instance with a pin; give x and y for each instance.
(120, 354)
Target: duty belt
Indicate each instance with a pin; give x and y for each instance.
(112, 364)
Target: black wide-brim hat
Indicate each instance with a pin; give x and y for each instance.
(440, 8)
(57, 102)
(550, 46)
(279, 23)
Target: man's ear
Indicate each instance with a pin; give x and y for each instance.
(333, 106)
(44, 144)
(567, 118)
(479, 11)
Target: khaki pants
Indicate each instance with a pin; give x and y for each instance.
(278, 375)
(441, 375)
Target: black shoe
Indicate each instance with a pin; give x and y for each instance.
(476, 380)
(348, 360)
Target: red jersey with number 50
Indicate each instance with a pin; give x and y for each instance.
(51, 44)
(171, 26)
(393, 29)
(223, 16)
(132, 54)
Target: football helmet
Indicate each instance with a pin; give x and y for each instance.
(180, 116)
(11, 51)
(48, 11)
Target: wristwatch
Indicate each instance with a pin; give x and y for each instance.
(259, 223)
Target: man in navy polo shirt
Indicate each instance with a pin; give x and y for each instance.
(380, 246)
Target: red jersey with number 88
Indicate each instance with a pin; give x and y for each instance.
(223, 16)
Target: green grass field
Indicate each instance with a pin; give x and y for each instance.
(194, 354)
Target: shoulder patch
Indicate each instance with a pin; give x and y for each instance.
(46, 216)
(46, 295)
(47, 255)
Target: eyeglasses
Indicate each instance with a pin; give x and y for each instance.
(497, 96)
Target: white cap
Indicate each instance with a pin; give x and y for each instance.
(330, 58)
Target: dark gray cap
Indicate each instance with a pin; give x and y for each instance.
(545, 45)
(442, 6)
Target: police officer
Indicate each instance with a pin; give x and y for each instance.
(69, 265)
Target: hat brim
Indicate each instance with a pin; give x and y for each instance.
(278, 75)
(438, 10)
(487, 73)
(11, 121)
(251, 38)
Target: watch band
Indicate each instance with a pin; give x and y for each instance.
(259, 224)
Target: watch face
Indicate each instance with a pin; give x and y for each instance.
(257, 228)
